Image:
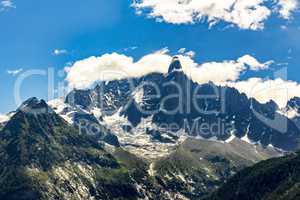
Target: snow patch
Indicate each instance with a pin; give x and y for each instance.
(246, 139)
(151, 170)
(58, 105)
(289, 113)
(4, 118)
(96, 112)
(230, 139)
(137, 141)
(139, 95)
(114, 121)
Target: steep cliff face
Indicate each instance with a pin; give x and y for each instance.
(181, 104)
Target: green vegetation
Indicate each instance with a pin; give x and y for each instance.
(277, 178)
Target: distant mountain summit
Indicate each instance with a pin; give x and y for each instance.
(34, 105)
(175, 65)
(207, 110)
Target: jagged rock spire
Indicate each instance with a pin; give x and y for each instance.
(175, 65)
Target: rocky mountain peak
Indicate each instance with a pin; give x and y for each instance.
(175, 65)
(294, 103)
(35, 105)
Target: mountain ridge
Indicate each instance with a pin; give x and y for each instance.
(124, 152)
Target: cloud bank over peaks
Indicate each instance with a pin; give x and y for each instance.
(85, 73)
(245, 14)
(278, 90)
(114, 66)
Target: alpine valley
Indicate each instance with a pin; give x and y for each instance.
(144, 138)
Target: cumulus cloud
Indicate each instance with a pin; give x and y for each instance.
(244, 14)
(15, 71)
(278, 90)
(253, 63)
(216, 72)
(286, 8)
(84, 73)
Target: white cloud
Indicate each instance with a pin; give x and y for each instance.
(246, 14)
(278, 90)
(84, 73)
(130, 48)
(58, 52)
(286, 7)
(15, 72)
(253, 63)
(6, 4)
(220, 72)
(216, 72)
(191, 54)
(181, 50)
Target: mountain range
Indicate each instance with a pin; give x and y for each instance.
(160, 136)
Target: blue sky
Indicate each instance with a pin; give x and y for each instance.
(32, 30)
